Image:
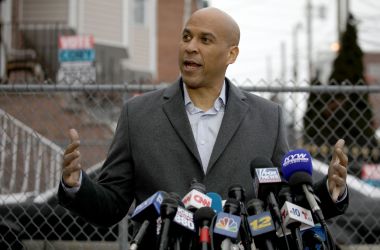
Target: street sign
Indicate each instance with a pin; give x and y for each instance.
(76, 42)
(76, 55)
(76, 49)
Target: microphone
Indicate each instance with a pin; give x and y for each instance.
(192, 201)
(216, 201)
(203, 217)
(183, 224)
(195, 200)
(228, 223)
(237, 192)
(294, 217)
(168, 211)
(267, 181)
(314, 238)
(261, 224)
(298, 169)
(149, 208)
(145, 213)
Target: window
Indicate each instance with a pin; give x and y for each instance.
(139, 11)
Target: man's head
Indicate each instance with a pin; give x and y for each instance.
(208, 45)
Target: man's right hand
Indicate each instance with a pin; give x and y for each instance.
(71, 167)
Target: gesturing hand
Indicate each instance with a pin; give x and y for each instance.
(71, 161)
(337, 173)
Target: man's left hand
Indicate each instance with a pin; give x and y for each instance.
(337, 173)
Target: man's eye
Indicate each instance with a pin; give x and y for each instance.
(186, 37)
(205, 40)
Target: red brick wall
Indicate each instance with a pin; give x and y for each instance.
(169, 27)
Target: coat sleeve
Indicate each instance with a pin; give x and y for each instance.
(106, 201)
(328, 206)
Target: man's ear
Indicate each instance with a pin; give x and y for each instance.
(233, 54)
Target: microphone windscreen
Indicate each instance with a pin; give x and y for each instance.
(168, 208)
(296, 161)
(203, 214)
(260, 162)
(300, 178)
(237, 192)
(216, 201)
(177, 198)
(195, 184)
(232, 206)
(255, 206)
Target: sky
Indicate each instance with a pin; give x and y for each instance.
(266, 26)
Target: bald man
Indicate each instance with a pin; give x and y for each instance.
(201, 127)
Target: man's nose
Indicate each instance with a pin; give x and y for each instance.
(192, 46)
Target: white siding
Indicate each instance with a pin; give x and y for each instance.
(142, 39)
(44, 10)
(104, 19)
(139, 49)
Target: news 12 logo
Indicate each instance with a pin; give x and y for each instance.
(227, 225)
(260, 223)
(296, 158)
(268, 175)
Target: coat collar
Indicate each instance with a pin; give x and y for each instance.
(235, 111)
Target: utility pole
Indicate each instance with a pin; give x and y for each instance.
(343, 12)
(269, 68)
(309, 38)
(347, 11)
(294, 95)
(283, 61)
(339, 19)
(296, 29)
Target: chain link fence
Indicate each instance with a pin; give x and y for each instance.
(35, 119)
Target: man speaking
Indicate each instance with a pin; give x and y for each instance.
(201, 127)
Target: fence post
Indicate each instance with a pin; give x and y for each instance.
(123, 234)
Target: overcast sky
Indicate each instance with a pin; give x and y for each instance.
(265, 25)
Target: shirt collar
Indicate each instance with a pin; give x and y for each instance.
(219, 103)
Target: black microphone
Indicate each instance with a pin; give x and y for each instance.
(193, 200)
(183, 224)
(146, 213)
(231, 206)
(168, 210)
(297, 169)
(237, 192)
(261, 224)
(267, 182)
(203, 217)
(284, 196)
(196, 198)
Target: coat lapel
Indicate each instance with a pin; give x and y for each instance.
(174, 109)
(235, 111)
